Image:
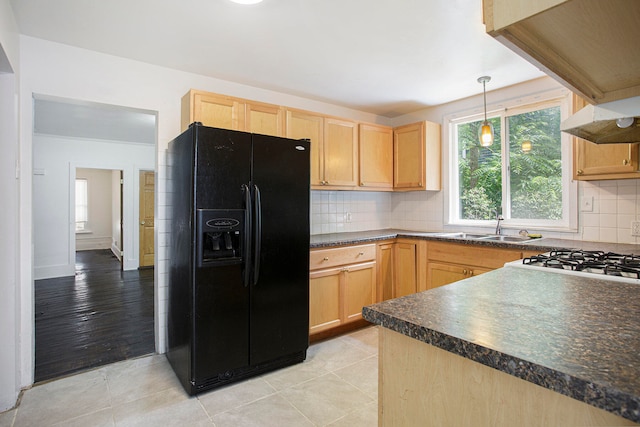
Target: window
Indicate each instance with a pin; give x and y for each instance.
(524, 175)
(82, 205)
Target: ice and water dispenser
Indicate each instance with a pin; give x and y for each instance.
(220, 236)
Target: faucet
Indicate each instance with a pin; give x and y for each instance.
(499, 218)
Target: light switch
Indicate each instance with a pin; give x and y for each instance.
(586, 204)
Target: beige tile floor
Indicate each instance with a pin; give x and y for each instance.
(336, 386)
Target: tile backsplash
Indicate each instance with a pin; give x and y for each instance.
(615, 204)
(342, 211)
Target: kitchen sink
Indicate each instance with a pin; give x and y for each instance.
(487, 237)
(496, 238)
(463, 235)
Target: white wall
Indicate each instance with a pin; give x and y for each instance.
(9, 213)
(55, 160)
(116, 235)
(66, 72)
(99, 225)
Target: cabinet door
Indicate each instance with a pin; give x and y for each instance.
(384, 265)
(302, 125)
(482, 256)
(416, 157)
(376, 156)
(405, 269)
(359, 289)
(602, 161)
(408, 156)
(265, 119)
(440, 274)
(605, 161)
(340, 153)
(217, 111)
(325, 311)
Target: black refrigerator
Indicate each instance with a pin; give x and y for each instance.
(238, 295)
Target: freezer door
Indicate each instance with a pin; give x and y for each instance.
(220, 297)
(280, 296)
(223, 165)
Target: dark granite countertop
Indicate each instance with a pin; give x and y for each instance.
(540, 245)
(574, 335)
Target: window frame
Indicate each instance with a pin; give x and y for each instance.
(569, 219)
(84, 228)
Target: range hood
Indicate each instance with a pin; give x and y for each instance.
(610, 123)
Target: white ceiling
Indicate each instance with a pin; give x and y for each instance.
(387, 57)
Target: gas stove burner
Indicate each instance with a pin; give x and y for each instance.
(595, 262)
(622, 270)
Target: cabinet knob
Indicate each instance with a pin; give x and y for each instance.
(325, 258)
(470, 272)
(625, 162)
(464, 271)
(360, 253)
(579, 171)
(362, 184)
(142, 222)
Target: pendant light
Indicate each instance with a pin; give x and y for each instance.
(485, 133)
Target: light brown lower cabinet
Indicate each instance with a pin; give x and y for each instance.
(401, 268)
(341, 282)
(450, 262)
(441, 274)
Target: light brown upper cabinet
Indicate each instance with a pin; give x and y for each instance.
(587, 45)
(345, 155)
(265, 119)
(334, 148)
(602, 161)
(376, 157)
(213, 110)
(227, 112)
(305, 125)
(340, 152)
(416, 157)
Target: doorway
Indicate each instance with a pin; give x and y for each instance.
(98, 210)
(93, 304)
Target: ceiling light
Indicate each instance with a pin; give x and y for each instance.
(526, 146)
(485, 133)
(246, 1)
(625, 122)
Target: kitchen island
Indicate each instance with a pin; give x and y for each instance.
(511, 347)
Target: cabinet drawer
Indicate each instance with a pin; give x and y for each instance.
(327, 258)
(471, 255)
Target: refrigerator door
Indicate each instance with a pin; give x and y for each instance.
(220, 299)
(280, 291)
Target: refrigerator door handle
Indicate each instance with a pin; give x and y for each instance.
(248, 209)
(258, 234)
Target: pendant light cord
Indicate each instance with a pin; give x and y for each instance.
(484, 91)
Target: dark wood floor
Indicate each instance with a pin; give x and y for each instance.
(100, 316)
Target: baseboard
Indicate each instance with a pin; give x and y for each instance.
(91, 243)
(117, 252)
(51, 272)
